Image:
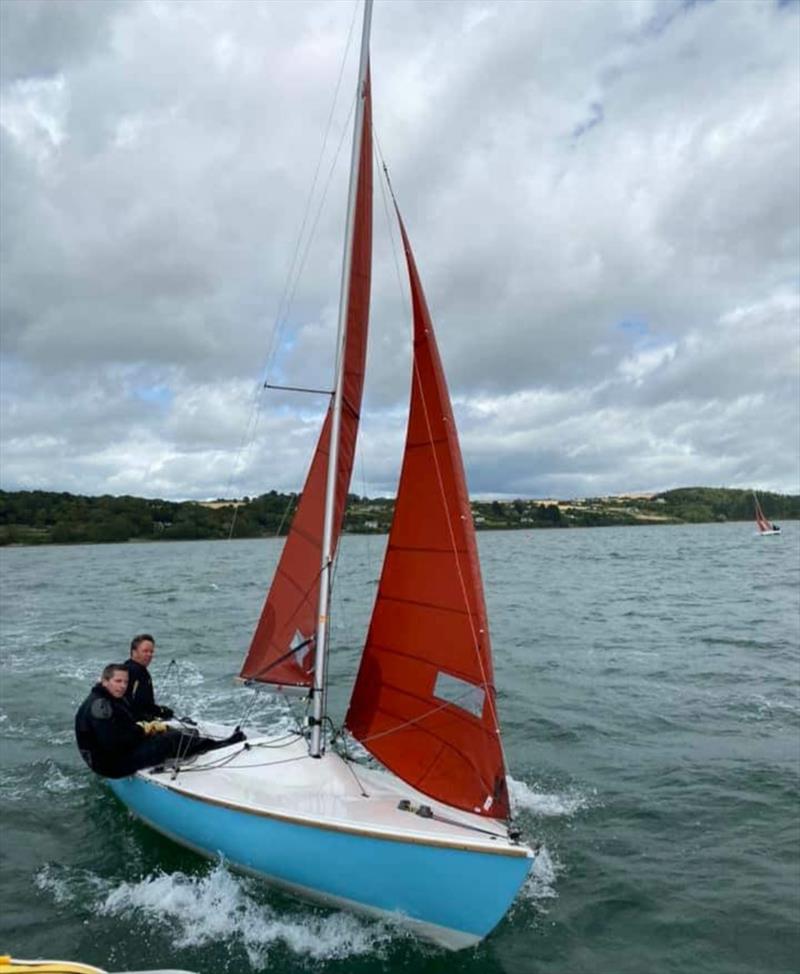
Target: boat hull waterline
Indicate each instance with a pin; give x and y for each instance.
(446, 886)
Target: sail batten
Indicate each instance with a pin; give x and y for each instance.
(429, 630)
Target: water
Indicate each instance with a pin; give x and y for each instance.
(649, 690)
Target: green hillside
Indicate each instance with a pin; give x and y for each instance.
(43, 517)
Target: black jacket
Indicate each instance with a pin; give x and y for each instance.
(115, 746)
(106, 733)
(139, 695)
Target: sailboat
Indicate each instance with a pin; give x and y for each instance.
(427, 837)
(763, 526)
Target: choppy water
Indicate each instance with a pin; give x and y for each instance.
(649, 685)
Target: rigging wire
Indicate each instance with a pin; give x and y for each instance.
(312, 232)
(246, 712)
(174, 667)
(255, 415)
(385, 184)
(225, 762)
(416, 720)
(295, 271)
(293, 499)
(371, 557)
(350, 762)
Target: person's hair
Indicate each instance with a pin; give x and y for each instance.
(111, 669)
(143, 637)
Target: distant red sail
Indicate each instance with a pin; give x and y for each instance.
(424, 698)
(764, 526)
(282, 649)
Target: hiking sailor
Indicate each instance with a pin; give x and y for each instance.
(139, 694)
(115, 745)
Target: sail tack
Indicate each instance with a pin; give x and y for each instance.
(424, 698)
(282, 648)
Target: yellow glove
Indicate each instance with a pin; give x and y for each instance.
(152, 727)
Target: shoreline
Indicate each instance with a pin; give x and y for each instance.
(642, 523)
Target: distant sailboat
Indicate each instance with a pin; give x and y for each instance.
(763, 526)
(427, 839)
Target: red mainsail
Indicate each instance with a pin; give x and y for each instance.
(282, 649)
(763, 525)
(424, 698)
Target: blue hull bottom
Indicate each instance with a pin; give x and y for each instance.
(452, 896)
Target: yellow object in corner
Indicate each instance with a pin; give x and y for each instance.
(10, 966)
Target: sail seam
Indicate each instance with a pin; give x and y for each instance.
(426, 549)
(425, 605)
(412, 721)
(425, 443)
(445, 745)
(462, 583)
(379, 647)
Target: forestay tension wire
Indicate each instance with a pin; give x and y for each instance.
(294, 272)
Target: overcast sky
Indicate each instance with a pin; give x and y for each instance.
(603, 198)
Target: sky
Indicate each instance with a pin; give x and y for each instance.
(603, 198)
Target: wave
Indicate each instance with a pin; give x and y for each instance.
(35, 729)
(24, 783)
(200, 910)
(541, 882)
(547, 804)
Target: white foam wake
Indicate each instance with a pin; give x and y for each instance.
(541, 881)
(547, 804)
(218, 905)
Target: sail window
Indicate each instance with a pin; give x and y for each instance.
(460, 693)
(302, 647)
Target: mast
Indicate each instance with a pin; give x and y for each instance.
(319, 691)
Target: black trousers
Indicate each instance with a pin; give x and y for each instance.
(158, 748)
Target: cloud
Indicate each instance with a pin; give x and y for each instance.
(603, 200)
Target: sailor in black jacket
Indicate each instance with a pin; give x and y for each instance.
(106, 732)
(139, 694)
(114, 745)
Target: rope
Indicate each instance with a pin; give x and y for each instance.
(384, 184)
(222, 762)
(216, 763)
(416, 720)
(292, 501)
(246, 712)
(288, 302)
(173, 665)
(298, 720)
(349, 762)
